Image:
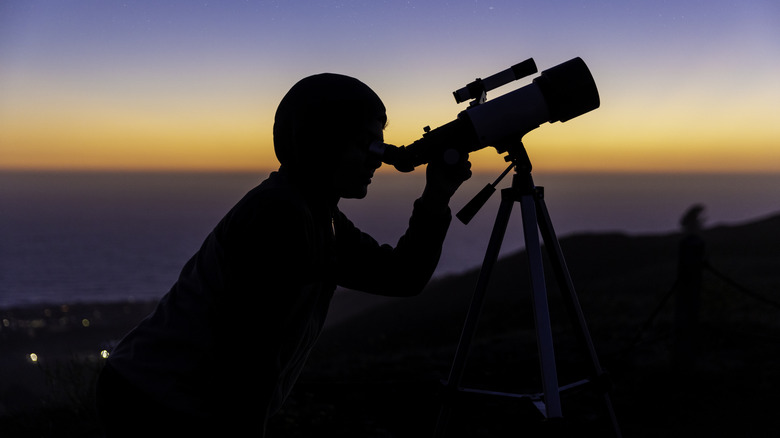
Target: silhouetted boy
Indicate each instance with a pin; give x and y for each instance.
(224, 347)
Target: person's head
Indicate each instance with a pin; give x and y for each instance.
(322, 130)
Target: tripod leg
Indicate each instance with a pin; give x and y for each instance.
(464, 345)
(570, 299)
(544, 336)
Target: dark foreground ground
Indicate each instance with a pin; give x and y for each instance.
(378, 374)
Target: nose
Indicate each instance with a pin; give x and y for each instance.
(375, 153)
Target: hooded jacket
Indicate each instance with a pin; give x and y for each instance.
(249, 305)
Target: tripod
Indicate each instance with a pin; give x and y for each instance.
(531, 201)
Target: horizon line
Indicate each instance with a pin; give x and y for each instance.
(384, 170)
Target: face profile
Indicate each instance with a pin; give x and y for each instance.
(355, 167)
(322, 129)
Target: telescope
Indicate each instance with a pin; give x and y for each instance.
(558, 94)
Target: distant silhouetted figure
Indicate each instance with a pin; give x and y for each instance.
(692, 221)
(688, 288)
(225, 345)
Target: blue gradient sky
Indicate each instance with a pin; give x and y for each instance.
(685, 85)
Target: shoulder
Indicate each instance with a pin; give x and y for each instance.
(274, 197)
(271, 206)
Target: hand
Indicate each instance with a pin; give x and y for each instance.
(443, 180)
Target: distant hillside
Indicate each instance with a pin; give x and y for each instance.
(390, 358)
(379, 373)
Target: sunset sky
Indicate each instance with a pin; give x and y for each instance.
(685, 85)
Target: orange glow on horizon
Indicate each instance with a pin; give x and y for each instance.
(557, 155)
(683, 87)
(618, 138)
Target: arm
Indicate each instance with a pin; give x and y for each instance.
(406, 269)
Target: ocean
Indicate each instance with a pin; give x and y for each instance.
(69, 237)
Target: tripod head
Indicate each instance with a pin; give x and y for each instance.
(519, 160)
